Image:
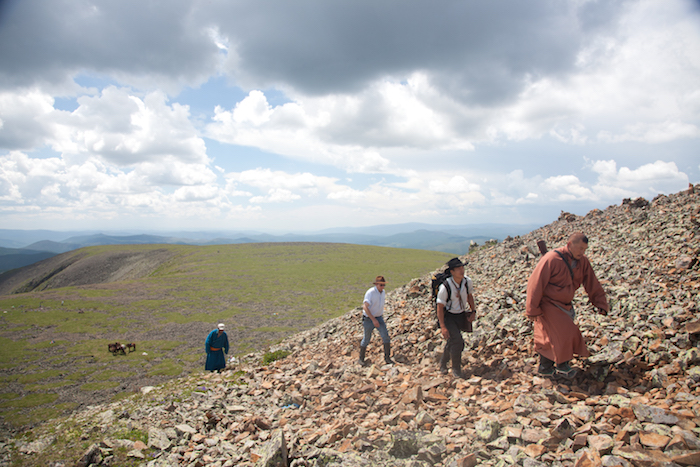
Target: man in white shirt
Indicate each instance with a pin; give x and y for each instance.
(452, 299)
(372, 317)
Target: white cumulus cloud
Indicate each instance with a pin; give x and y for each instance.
(276, 195)
(647, 180)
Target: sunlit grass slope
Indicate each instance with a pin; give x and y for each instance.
(53, 343)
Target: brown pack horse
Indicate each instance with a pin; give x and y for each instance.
(117, 348)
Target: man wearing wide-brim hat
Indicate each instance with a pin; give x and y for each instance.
(372, 318)
(454, 295)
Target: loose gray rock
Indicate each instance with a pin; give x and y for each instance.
(91, 456)
(274, 452)
(404, 444)
(646, 413)
(158, 439)
(487, 429)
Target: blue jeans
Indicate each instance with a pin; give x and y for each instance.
(368, 325)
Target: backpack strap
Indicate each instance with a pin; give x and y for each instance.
(466, 284)
(459, 291)
(449, 291)
(567, 264)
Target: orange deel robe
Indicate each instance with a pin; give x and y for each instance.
(556, 335)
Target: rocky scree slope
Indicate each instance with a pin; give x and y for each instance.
(636, 401)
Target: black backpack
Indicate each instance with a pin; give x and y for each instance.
(436, 281)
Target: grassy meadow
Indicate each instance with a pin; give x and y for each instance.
(53, 343)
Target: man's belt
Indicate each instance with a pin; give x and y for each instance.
(571, 313)
(214, 349)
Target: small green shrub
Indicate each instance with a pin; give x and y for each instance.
(46, 386)
(78, 375)
(39, 415)
(235, 378)
(133, 435)
(191, 357)
(113, 375)
(30, 400)
(34, 377)
(121, 395)
(270, 357)
(167, 368)
(99, 385)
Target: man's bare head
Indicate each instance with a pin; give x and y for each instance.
(577, 245)
(577, 237)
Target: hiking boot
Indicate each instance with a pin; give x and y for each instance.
(565, 371)
(444, 360)
(457, 365)
(546, 367)
(361, 360)
(387, 354)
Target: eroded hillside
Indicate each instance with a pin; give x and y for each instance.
(84, 267)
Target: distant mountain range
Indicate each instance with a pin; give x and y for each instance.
(24, 247)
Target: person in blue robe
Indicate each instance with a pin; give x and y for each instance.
(216, 345)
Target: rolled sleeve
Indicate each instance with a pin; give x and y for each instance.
(442, 294)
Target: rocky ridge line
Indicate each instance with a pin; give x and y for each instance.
(637, 402)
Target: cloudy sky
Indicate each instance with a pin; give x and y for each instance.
(301, 115)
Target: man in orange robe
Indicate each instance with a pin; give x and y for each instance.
(550, 290)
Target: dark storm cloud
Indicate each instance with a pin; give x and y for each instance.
(46, 41)
(480, 52)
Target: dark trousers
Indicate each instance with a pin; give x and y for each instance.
(454, 323)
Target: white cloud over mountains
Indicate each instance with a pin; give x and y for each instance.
(349, 112)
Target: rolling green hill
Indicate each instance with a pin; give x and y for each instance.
(12, 258)
(165, 299)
